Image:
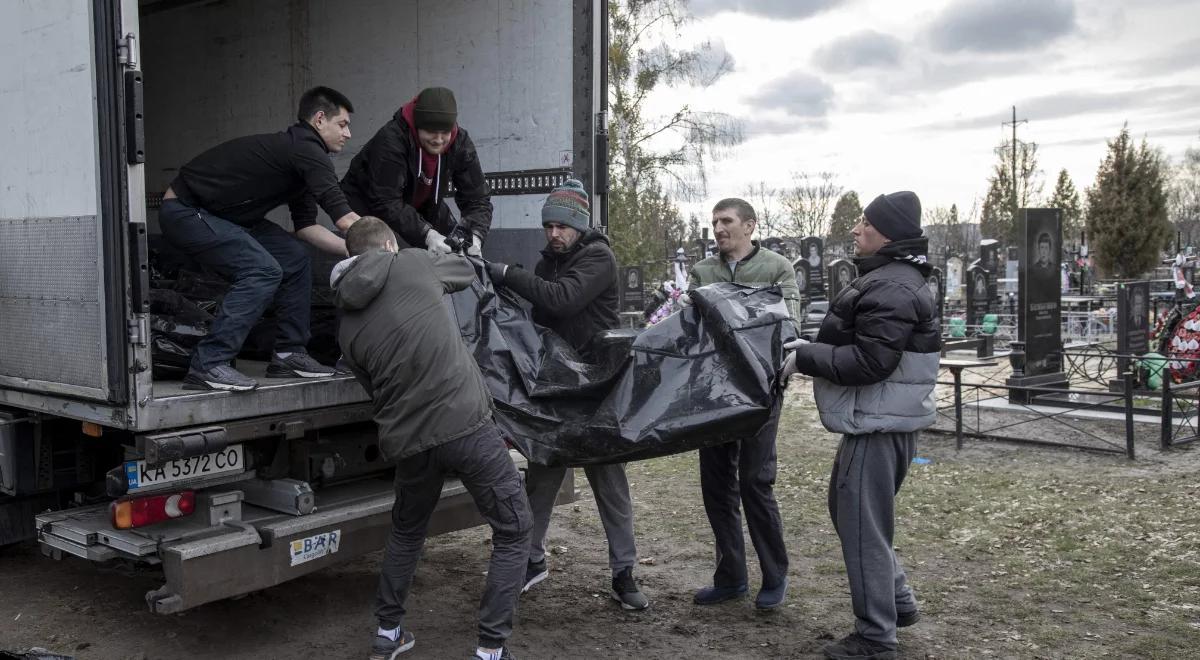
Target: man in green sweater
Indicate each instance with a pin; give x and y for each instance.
(742, 472)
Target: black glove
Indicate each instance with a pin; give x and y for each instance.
(496, 272)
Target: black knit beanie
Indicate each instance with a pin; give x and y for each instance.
(897, 216)
(435, 110)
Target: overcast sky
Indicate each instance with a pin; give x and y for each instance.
(911, 95)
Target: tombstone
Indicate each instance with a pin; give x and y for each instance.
(979, 302)
(841, 273)
(1039, 306)
(633, 295)
(937, 288)
(954, 278)
(774, 244)
(989, 254)
(812, 250)
(1012, 270)
(1133, 326)
(802, 270)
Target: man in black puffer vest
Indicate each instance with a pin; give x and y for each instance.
(574, 293)
(874, 364)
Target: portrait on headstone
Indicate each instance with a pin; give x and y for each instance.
(801, 268)
(774, 244)
(1045, 252)
(841, 274)
(1139, 318)
(811, 250)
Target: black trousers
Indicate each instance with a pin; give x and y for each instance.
(482, 462)
(739, 476)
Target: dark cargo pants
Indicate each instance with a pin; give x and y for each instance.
(867, 474)
(263, 262)
(743, 473)
(482, 462)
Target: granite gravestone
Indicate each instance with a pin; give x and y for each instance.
(812, 250)
(1133, 323)
(774, 244)
(1039, 305)
(937, 288)
(802, 269)
(989, 254)
(633, 296)
(841, 273)
(954, 278)
(979, 301)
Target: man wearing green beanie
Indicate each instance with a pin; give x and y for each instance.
(574, 293)
(404, 172)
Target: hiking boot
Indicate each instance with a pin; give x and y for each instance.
(714, 595)
(906, 619)
(384, 648)
(535, 572)
(769, 599)
(857, 647)
(504, 654)
(297, 365)
(221, 377)
(625, 591)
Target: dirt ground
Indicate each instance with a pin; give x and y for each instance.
(1015, 552)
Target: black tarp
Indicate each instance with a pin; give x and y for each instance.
(704, 376)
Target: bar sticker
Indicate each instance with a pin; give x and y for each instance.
(315, 547)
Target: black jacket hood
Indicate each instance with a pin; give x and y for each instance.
(358, 280)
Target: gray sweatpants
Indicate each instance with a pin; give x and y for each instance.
(867, 474)
(482, 462)
(611, 489)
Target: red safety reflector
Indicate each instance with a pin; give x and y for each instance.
(128, 513)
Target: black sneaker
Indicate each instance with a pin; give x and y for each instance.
(385, 648)
(857, 647)
(221, 377)
(342, 367)
(906, 619)
(625, 591)
(297, 365)
(535, 572)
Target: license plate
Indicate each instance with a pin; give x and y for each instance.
(315, 547)
(228, 460)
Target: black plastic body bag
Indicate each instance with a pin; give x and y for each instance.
(704, 376)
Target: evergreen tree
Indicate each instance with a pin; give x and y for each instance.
(1065, 197)
(846, 214)
(1127, 209)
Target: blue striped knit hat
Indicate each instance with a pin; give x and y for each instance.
(568, 205)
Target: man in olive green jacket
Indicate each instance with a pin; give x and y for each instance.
(741, 474)
(434, 414)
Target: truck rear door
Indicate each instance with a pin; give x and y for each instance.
(62, 289)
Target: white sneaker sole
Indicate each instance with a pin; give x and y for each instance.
(226, 387)
(536, 579)
(626, 606)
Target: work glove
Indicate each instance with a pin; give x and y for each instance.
(496, 272)
(475, 249)
(435, 242)
(685, 300)
(789, 363)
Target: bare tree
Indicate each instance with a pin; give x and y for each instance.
(765, 201)
(809, 203)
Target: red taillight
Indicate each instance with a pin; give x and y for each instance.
(141, 511)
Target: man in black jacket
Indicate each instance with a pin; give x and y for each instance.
(434, 414)
(874, 364)
(403, 173)
(574, 293)
(215, 212)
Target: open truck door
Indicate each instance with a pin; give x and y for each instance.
(62, 205)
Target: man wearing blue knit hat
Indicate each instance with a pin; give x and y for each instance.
(574, 293)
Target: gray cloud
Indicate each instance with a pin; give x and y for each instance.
(1182, 57)
(799, 94)
(859, 50)
(786, 9)
(1074, 103)
(998, 26)
(758, 125)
